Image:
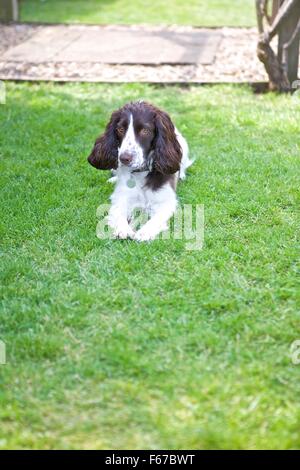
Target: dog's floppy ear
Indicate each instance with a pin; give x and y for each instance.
(167, 151)
(104, 155)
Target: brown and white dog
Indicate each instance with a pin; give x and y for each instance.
(148, 155)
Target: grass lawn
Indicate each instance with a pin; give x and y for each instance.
(114, 344)
(194, 12)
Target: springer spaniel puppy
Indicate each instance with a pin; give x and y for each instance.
(148, 155)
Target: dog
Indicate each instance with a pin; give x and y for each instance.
(147, 155)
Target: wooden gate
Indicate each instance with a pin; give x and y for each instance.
(284, 21)
(8, 10)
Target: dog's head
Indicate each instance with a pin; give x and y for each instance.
(138, 136)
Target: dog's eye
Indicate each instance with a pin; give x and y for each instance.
(120, 130)
(145, 131)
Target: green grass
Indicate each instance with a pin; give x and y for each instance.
(114, 344)
(194, 12)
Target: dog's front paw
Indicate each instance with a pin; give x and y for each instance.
(123, 232)
(144, 235)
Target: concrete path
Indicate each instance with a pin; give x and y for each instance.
(129, 53)
(115, 45)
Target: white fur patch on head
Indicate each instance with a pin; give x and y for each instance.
(132, 147)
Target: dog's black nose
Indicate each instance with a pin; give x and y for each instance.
(125, 158)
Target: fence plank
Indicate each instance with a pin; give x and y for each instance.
(285, 33)
(8, 10)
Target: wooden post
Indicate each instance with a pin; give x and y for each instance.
(290, 59)
(284, 21)
(8, 10)
(275, 8)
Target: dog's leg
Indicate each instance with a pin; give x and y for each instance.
(117, 220)
(162, 208)
(118, 217)
(185, 161)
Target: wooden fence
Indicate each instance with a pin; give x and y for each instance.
(9, 10)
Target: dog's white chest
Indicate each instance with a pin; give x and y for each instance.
(139, 196)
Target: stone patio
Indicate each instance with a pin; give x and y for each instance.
(115, 45)
(129, 53)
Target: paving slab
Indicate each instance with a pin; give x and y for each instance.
(75, 53)
(62, 43)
